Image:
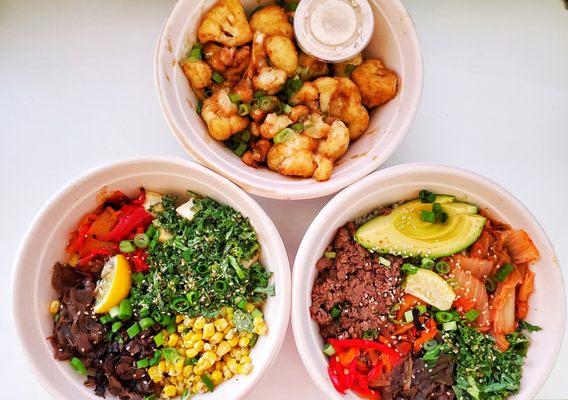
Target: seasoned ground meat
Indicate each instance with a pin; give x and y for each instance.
(356, 281)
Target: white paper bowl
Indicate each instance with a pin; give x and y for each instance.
(45, 242)
(394, 41)
(547, 305)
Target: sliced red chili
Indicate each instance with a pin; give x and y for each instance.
(131, 216)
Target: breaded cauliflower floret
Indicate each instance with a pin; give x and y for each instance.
(282, 53)
(336, 143)
(323, 169)
(298, 112)
(307, 93)
(273, 124)
(310, 67)
(225, 23)
(198, 73)
(272, 20)
(376, 82)
(269, 79)
(231, 62)
(293, 157)
(221, 117)
(315, 127)
(341, 98)
(355, 61)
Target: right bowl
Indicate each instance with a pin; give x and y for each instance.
(547, 304)
(394, 41)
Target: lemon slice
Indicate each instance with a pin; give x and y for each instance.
(114, 284)
(431, 288)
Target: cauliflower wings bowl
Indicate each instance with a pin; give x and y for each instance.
(243, 97)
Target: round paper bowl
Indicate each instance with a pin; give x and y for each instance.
(394, 41)
(45, 241)
(547, 305)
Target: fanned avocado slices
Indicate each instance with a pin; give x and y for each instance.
(404, 233)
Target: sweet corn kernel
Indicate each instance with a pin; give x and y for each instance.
(223, 348)
(261, 329)
(179, 318)
(246, 360)
(74, 259)
(154, 374)
(187, 370)
(162, 367)
(257, 321)
(188, 322)
(221, 324)
(230, 334)
(233, 341)
(209, 356)
(172, 341)
(217, 377)
(208, 330)
(199, 323)
(244, 369)
(216, 338)
(179, 365)
(249, 307)
(54, 306)
(198, 345)
(227, 374)
(244, 341)
(169, 391)
(190, 353)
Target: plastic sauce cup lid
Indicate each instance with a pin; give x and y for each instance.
(333, 30)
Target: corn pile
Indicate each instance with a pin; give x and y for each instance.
(210, 352)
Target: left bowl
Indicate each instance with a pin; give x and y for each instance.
(44, 243)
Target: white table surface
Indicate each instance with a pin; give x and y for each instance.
(76, 90)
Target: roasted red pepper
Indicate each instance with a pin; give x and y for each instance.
(92, 254)
(335, 371)
(131, 216)
(342, 344)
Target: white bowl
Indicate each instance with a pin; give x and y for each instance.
(45, 241)
(394, 40)
(547, 305)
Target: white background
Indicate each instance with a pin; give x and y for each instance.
(76, 90)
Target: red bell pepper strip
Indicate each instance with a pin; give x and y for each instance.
(80, 234)
(335, 372)
(129, 219)
(92, 254)
(342, 344)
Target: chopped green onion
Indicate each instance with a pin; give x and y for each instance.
(245, 135)
(165, 320)
(195, 52)
(408, 316)
(151, 231)
(442, 217)
(330, 254)
(133, 330)
(142, 363)
(171, 328)
(335, 311)
(244, 109)
(409, 269)
(192, 297)
(283, 135)
(141, 240)
(443, 316)
(186, 395)
(198, 109)
(116, 326)
(241, 148)
(269, 103)
(421, 309)
(253, 340)
(191, 361)
(256, 313)
(113, 312)
(220, 287)
(384, 262)
(242, 304)
(146, 323)
(449, 326)
(436, 208)
(126, 246)
(298, 127)
(430, 345)
(442, 267)
(105, 319)
(503, 272)
(427, 263)
(217, 77)
(328, 350)
(427, 196)
(235, 98)
(137, 277)
(78, 366)
(259, 94)
(150, 397)
(159, 339)
(292, 6)
(349, 69)
(124, 310)
(427, 216)
(180, 304)
(286, 109)
(490, 285)
(471, 315)
(208, 382)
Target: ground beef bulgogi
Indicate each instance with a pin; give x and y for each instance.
(78, 333)
(365, 289)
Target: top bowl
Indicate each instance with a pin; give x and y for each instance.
(394, 40)
(547, 304)
(45, 243)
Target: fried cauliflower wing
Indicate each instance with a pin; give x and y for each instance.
(336, 143)
(198, 73)
(341, 98)
(324, 166)
(307, 93)
(269, 79)
(221, 117)
(294, 157)
(231, 62)
(310, 67)
(273, 124)
(225, 23)
(315, 127)
(376, 82)
(340, 69)
(272, 20)
(282, 53)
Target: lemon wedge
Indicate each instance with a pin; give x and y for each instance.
(114, 284)
(431, 288)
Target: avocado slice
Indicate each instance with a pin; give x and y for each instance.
(402, 232)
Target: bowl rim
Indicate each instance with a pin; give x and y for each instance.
(318, 189)
(18, 273)
(300, 326)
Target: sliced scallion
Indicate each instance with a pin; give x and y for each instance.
(442, 267)
(328, 350)
(408, 316)
(427, 216)
(449, 326)
(78, 366)
(141, 240)
(503, 272)
(126, 246)
(217, 77)
(471, 315)
(283, 135)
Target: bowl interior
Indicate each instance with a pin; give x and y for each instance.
(394, 41)
(547, 305)
(46, 240)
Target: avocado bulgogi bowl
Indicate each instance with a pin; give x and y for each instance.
(159, 297)
(426, 299)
